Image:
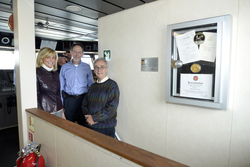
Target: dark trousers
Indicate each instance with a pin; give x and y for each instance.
(73, 109)
(107, 131)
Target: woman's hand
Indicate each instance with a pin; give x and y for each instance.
(63, 116)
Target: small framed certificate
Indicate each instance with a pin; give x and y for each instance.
(196, 86)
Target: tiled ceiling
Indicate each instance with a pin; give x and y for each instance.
(54, 21)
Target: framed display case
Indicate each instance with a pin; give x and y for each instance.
(198, 54)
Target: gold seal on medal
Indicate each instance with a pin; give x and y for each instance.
(195, 68)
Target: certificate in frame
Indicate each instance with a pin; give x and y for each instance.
(202, 47)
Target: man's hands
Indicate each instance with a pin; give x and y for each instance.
(89, 120)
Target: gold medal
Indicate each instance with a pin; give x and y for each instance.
(195, 68)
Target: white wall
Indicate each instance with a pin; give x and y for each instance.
(191, 135)
(25, 69)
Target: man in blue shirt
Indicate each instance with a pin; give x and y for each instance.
(75, 79)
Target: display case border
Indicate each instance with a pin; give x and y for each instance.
(222, 61)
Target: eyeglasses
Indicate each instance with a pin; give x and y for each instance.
(77, 52)
(101, 68)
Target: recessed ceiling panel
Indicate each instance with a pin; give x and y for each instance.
(125, 4)
(53, 21)
(98, 5)
(147, 1)
(61, 5)
(50, 12)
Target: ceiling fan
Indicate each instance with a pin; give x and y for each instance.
(41, 25)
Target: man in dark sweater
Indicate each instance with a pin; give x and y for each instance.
(100, 103)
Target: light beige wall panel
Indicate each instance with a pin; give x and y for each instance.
(114, 159)
(240, 147)
(24, 46)
(194, 136)
(63, 149)
(74, 152)
(113, 33)
(181, 11)
(116, 162)
(198, 136)
(144, 102)
(46, 136)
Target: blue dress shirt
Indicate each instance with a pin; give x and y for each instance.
(75, 80)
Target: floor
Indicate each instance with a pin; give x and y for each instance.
(9, 147)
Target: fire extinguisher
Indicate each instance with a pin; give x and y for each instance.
(30, 157)
(20, 158)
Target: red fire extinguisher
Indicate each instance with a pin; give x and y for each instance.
(19, 159)
(30, 157)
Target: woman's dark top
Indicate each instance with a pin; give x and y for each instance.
(48, 90)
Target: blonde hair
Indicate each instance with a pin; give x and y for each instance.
(43, 53)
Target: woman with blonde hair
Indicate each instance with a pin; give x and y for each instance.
(48, 83)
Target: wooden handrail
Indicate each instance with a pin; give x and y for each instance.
(130, 152)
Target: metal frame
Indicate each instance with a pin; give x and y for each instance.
(222, 62)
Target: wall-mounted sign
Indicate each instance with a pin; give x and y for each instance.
(31, 124)
(31, 137)
(149, 64)
(50, 44)
(107, 55)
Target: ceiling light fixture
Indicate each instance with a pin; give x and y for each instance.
(73, 8)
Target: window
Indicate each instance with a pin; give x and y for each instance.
(7, 60)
